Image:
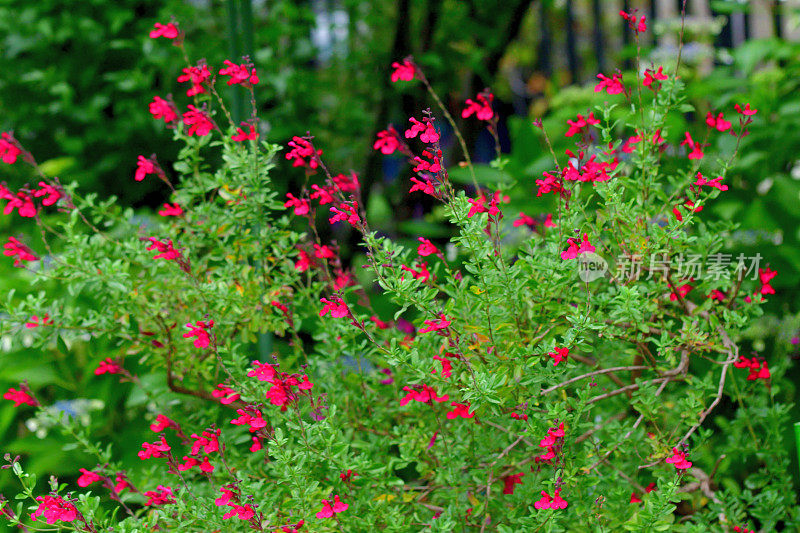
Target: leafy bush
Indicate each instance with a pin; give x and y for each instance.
(560, 371)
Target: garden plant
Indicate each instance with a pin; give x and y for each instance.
(553, 370)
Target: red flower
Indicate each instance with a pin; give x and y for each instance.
(612, 85)
(162, 496)
(168, 31)
(197, 75)
(240, 74)
(347, 211)
(426, 248)
(87, 478)
(19, 397)
(637, 24)
(511, 480)
(551, 183)
(696, 148)
(746, 111)
(427, 133)
(304, 262)
(482, 109)
(144, 166)
(121, 484)
(387, 141)
(51, 194)
(679, 460)
(54, 508)
(683, 290)
(302, 150)
(543, 502)
(161, 108)
(405, 71)
(241, 135)
(165, 249)
(442, 323)
(208, 441)
(244, 512)
(15, 247)
(199, 122)
(422, 394)
(173, 210)
(423, 165)
(203, 339)
(9, 149)
(576, 126)
(719, 123)
(34, 322)
(559, 355)
(635, 498)
(716, 183)
(156, 449)
(337, 308)
(524, 220)
(422, 274)
(162, 423)
(223, 393)
(460, 410)
(301, 205)
(424, 186)
(573, 250)
(651, 75)
(329, 510)
(21, 201)
(765, 275)
(323, 195)
(107, 366)
(323, 252)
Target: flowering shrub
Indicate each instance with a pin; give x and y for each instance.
(557, 371)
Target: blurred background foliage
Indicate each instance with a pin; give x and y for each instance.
(77, 77)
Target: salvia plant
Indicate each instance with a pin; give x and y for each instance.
(553, 371)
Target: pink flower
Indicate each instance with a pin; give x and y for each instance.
(524, 220)
(560, 354)
(196, 75)
(424, 186)
(323, 252)
(34, 321)
(203, 339)
(225, 394)
(543, 502)
(162, 496)
(54, 508)
(715, 183)
(329, 510)
(208, 441)
(87, 478)
(347, 211)
(337, 308)
(51, 194)
(15, 248)
(387, 141)
(551, 183)
(346, 183)
(244, 512)
(637, 24)
(120, 483)
(422, 274)
(144, 166)
(156, 449)
(719, 123)
(107, 366)
(256, 444)
(696, 148)
(746, 111)
(765, 275)
(250, 417)
(20, 201)
(9, 149)
(162, 423)
(651, 75)
(442, 323)
(612, 85)
(199, 122)
(422, 165)
(241, 135)
(240, 74)
(683, 290)
(459, 410)
(19, 397)
(426, 248)
(679, 460)
(427, 133)
(577, 126)
(161, 108)
(573, 250)
(173, 210)
(304, 261)
(165, 249)
(422, 394)
(263, 371)
(482, 109)
(556, 502)
(168, 31)
(301, 205)
(405, 71)
(302, 150)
